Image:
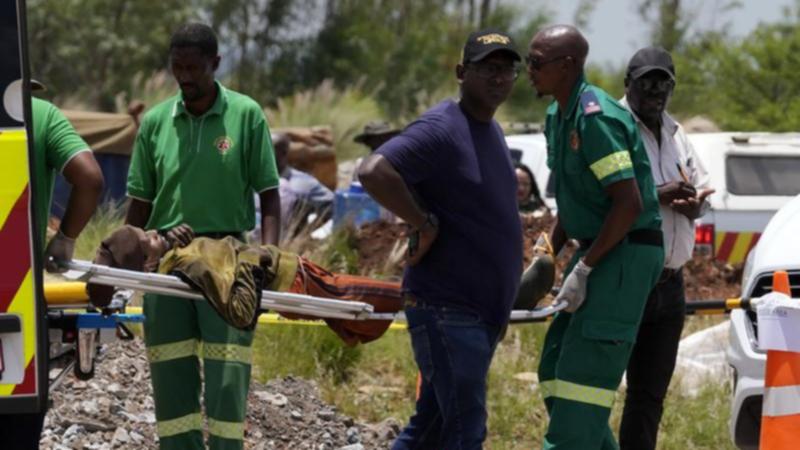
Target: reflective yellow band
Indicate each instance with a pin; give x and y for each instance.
(174, 350)
(612, 163)
(185, 424)
(227, 352)
(226, 430)
(548, 388)
(577, 392)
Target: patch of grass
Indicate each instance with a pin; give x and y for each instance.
(307, 351)
(382, 384)
(338, 254)
(699, 422)
(106, 219)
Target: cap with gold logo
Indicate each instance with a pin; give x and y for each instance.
(484, 42)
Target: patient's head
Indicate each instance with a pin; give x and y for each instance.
(129, 248)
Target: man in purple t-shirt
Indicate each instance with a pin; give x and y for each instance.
(449, 176)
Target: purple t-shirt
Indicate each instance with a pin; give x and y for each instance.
(460, 169)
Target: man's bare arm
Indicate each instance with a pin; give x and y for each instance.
(86, 179)
(138, 213)
(387, 187)
(270, 216)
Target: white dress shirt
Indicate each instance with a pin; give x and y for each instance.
(675, 150)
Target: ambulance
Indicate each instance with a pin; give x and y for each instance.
(23, 339)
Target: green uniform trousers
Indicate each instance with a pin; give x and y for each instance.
(178, 334)
(586, 353)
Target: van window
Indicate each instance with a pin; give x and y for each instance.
(762, 175)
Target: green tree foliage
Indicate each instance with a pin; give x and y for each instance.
(262, 41)
(92, 48)
(402, 50)
(750, 84)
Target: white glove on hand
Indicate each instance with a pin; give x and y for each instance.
(573, 291)
(58, 252)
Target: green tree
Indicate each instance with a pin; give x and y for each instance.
(404, 51)
(91, 49)
(749, 85)
(670, 20)
(261, 40)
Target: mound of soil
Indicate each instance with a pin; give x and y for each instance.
(377, 245)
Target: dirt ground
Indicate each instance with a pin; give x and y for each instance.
(705, 278)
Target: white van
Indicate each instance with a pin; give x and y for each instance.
(754, 174)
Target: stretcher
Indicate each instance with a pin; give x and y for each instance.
(270, 300)
(77, 330)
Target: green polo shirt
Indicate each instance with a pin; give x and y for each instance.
(55, 143)
(203, 170)
(594, 144)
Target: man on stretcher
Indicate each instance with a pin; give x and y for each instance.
(231, 275)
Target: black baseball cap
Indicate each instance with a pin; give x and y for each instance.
(484, 42)
(649, 59)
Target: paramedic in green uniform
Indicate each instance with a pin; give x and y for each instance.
(57, 148)
(198, 158)
(607, 201)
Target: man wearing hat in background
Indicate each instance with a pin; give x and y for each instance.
(375, 134)
(681, 182)
(465, 249)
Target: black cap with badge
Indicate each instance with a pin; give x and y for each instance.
(649, 59)
(484, 42)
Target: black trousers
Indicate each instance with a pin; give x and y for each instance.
(652, 363)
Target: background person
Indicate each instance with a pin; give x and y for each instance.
(57, 148)
(301, 193)
(198, 159)
(607, 201)
(681, 183)
(465, 246)
(529, 200)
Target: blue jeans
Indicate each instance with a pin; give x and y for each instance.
(453, 349)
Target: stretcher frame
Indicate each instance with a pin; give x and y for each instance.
(309, 305)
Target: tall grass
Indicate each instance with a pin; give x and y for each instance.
(107, 218)
(345, 110)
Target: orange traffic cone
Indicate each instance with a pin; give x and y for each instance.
(780, 415)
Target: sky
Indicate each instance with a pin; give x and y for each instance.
(616, 31)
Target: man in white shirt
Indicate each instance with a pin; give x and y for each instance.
(682, 185)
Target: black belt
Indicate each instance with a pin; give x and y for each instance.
(643, 237)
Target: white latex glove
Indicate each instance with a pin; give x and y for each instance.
(573, 290)
(58, 252)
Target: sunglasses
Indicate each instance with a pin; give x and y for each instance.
(537, 64)
(650, 84)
